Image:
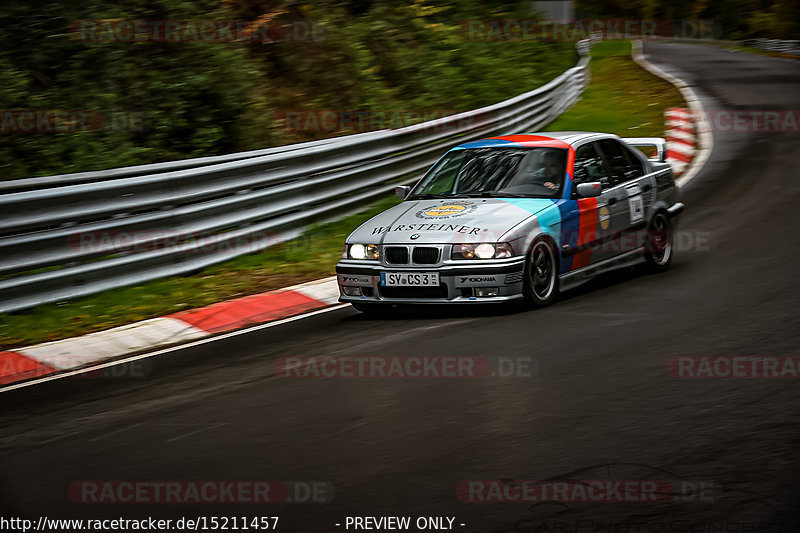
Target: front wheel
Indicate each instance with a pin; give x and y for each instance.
(658, 249)
(541, 274)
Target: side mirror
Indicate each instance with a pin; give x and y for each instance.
(402, 191)
(590, 189)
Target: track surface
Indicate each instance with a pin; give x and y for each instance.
(600, 394)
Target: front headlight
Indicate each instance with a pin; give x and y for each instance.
(363, 251)
(482, 250)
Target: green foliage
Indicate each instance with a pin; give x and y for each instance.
(397, 57)
(190, 95)
(202, 99)
(733, 19)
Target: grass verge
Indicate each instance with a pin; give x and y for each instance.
(759, 52)
(622, 99)
(307, 258)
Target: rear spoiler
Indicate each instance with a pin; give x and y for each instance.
(658, 142)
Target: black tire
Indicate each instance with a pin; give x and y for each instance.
(540, 285)
(659, 248)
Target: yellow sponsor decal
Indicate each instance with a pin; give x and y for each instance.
(605, 217)
(445, 210)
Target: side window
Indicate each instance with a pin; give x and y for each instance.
(589, 166)
(636, 168)
(620, 161)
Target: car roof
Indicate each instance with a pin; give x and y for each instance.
(546, 139)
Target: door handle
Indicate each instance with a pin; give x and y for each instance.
(612, 201)
(647, 187)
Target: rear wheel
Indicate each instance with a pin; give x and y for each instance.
(658, 248)
(541, 274)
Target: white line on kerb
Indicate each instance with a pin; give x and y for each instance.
(705, 139)
(171, 349)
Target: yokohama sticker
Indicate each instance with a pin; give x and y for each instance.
(355, 280)
(472, 281)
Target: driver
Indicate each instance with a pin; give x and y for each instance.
(552, 169)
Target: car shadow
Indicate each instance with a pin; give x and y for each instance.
(603, 282)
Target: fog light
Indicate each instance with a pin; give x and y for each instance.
(352, 291)
(483, 292)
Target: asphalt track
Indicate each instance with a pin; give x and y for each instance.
(600, 403)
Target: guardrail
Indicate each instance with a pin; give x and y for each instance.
(775, 45)
(29, 184)
(66, 236)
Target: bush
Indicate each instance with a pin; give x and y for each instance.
(202, 99)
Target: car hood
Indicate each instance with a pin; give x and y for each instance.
(442, 221)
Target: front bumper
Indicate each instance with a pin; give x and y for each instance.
(457, 282)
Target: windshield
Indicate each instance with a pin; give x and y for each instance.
(495, 172)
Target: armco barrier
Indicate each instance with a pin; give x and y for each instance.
(776, 45)
(182, 216)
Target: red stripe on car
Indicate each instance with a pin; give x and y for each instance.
(587, 230)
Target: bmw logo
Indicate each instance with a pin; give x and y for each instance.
(415, 236)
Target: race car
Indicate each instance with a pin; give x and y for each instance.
(517, 217)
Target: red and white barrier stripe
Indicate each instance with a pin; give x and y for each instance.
(68, 354)
(704, 140)
(681, 138)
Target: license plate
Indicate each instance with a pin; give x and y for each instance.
(410, 279)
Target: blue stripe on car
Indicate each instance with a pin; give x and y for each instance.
(570, 224)
(550, 219)
(487, 143)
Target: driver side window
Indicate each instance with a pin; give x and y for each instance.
(619, 159)
(589, 166)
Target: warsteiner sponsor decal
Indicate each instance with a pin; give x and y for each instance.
(455, 228)
(450, 210)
